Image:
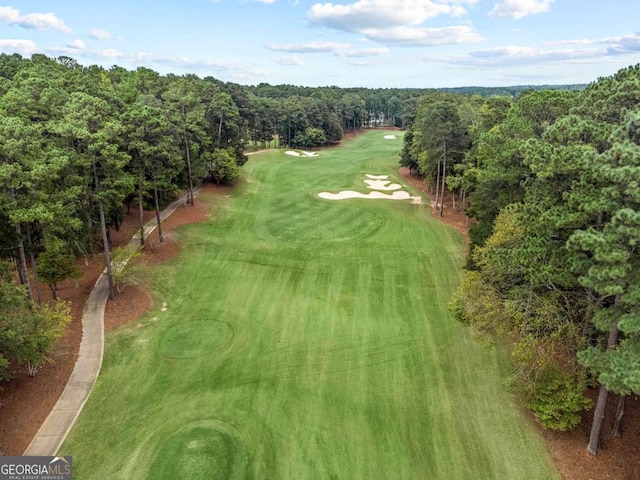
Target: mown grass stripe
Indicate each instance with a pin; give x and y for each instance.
(344, 363)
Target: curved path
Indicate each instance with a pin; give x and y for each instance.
(60, 420)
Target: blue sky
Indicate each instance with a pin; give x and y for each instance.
(352, 43)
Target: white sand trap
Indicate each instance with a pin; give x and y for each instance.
(390, 137)
(382, 185)
(376, 177)
(303, 154)
(371, 195)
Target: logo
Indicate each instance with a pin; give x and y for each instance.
(35, 468)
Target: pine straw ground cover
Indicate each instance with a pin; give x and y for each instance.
(295, 337)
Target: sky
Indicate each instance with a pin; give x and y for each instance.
(352, 43)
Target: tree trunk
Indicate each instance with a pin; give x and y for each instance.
(24, 270)
(141, 211)
(107, 253)
(16, 265)
(155, 198)
(444, 176)
(438, 183)
(105, 238)
(54, 290)
(186, 146)
(593, 447)
(617, 424)
(34, 268)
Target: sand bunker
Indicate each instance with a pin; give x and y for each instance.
(382, 185)
(390, 137)
(301, 154)
(376, 177)
(372, 195)
(374, 182)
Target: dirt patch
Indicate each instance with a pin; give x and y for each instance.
(454, 217)
(156, 251)
(620, 457)
(128, 305)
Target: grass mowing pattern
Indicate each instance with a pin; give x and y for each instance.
(340, 360)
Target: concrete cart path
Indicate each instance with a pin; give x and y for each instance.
(60, 420)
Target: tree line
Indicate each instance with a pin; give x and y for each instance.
(551, 179)
(79, 142)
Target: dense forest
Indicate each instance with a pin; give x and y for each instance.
(549, 178)
(551, 182)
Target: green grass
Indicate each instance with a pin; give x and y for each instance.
(306, 339)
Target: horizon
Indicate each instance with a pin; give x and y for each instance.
(411, 44)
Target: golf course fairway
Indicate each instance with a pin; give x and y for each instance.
(306, 338)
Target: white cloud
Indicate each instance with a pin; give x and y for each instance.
(23, 47)
(367, 14)
(528, 55)
(309, 47)
(415, 36)
(100, 34)
(518, 9)
(396, 22)
(105, 53)
(77, 44)
(34, 21)
(267, 2)
(365, 52)
(289, 60)
(338, 49)
(628, 43)
(9, 15)
(598, 50)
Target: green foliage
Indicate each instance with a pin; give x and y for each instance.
(56, 265)
(618, 369)
(311, 137)
(555, 398)
(27, 332)
(443, 132)
(128, 268)
(39, 333)
(501, 303)
(4, 368)
(560, 175)
(223, 167)
(479, 305)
